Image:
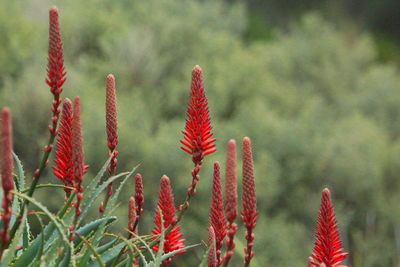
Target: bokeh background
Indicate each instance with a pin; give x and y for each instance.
(315, 84)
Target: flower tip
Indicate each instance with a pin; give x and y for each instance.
(246, 141)
(165, 179)
(53, 10)
(326, 192)
(197, 69)
(6, 111)
(231, 142)
(110, 77)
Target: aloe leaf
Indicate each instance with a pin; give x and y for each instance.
(89, 245)
(114, 197)
(172, 253)
(14, 243)
(108, 256)
(93, 196)
(88, 228)
(67, 244)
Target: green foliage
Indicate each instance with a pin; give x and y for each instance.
(319, 107)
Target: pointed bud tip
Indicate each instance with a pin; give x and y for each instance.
(165, 178)
(110, 77)
(6, 111)
(231, 142)
(246, 140)
(53, 10)
(197, 68)
(326, 192)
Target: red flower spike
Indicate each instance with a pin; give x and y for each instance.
(55, 66)
(111, 113)
(174, 239)
(7, 161)
(79, 168)
(328, 250)
(198, 141)
(63, 158)
(139, 195)
(132, 216)
(217, 217)
(212, 255)
(249, 211)
(7, 166)
(231, 201)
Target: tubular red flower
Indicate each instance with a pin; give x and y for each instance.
(212, 255)
(139, 195)
(63, 158)
(328, 250)
(217, 217)
(198, 141)
(55, 66)
(7, 166)
(174, 239)
(249, 211)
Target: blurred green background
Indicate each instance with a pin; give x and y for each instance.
(315, 84)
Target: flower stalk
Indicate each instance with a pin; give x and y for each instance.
(249, 210)
(7, 182)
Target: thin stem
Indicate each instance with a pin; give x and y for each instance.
(249, 247)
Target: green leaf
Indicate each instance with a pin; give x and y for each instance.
(113, 201)
(20, 173)
(88, 228)
(172, 253)
(96, 255)
(108, 256)
(67, 245)
(91, 197)
(106, 246)
(14, 243)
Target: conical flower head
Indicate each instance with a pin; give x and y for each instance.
(249, 211)
(55, 66)
(212, 255)
(7, 162)
(231, 202)
(111, 113)
(166, 206)
(217, 217)
(198, 141)
(328, 250)
(63, 159)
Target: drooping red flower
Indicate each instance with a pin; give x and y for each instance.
(217, 217)
(7, 166)
(249, 211)
(328, 250)
(174, 239)
(55, 66)
(212, 254)
(198, 141)
(63, 158)
(139, 194)
(231, 200)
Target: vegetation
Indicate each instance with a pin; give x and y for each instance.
(320, 108)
